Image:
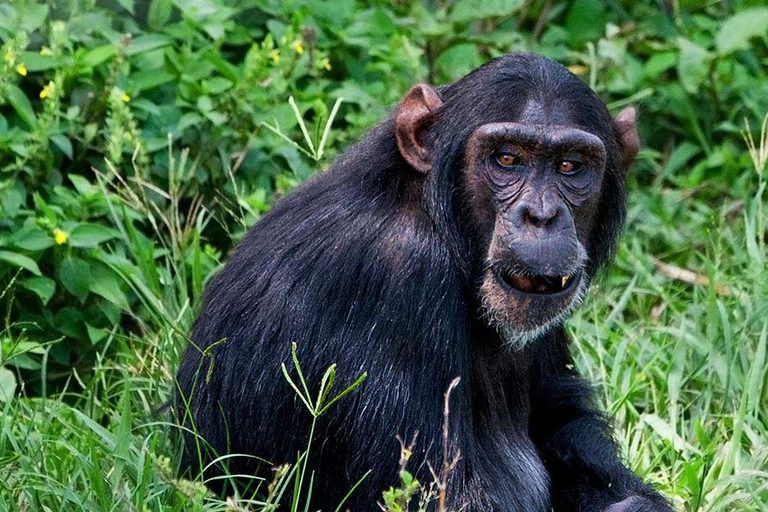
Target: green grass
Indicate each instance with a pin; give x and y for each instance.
(680, 366)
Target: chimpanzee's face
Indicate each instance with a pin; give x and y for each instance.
(533, 189)
(533, 185)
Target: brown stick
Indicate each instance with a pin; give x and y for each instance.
(449, 460)
(688, 276)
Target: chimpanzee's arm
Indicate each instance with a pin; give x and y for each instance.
(576, 442)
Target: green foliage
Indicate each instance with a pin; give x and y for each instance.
(316, 408)
(399, 499)
(139, 140)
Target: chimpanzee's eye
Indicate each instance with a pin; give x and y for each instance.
(508, 159)
(568, 166)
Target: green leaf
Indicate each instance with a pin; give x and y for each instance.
(11, 199)
(146, 43)
(75, 275)
(585, 22)
(106, 283)
(36, 62)
(128, 5)
(19, 260)
(659, 63)
(98, 55)
(469, 10)
(737, 30)
(148, 79)
(216, 85)
(82, 185)
(693, 66)
(95, 334)
(679, 157)
(91, 235)
(21, 105)
(43, 287)
(63, 143)
(30, 16)
(159, 13)
(32, 238)
(69, 321)
(7, 384)
(458, 60)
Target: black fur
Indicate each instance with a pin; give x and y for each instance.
(372, 266)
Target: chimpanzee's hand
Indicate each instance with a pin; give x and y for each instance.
(638, 504)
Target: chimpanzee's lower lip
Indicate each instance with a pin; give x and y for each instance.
(537, 285)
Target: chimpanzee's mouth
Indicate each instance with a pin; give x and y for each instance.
(536, 284)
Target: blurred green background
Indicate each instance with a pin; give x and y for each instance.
(140, 139)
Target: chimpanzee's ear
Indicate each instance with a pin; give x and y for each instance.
(625, 120)
(414, 117)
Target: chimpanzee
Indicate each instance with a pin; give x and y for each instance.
(452, 241)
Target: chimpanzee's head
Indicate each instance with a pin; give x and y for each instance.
(534, 167)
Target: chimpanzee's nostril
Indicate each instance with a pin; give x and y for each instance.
(539, 217)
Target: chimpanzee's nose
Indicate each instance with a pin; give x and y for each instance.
(539, 217)
(544, 240)
(543, 214)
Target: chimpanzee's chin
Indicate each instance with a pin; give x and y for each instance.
(523, 306)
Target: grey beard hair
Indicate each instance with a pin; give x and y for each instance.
(517, 338)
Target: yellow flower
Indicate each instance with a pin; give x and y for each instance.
(21, 69)
(60, 237)
(45, 51)
(8, 57)
(577, 69)
(125, 98)
(47, 90)
(275, 55)
(325, 63)
(298, 47)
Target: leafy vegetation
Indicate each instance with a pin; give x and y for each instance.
(138, 140)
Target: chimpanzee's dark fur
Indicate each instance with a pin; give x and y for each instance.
(372, 266)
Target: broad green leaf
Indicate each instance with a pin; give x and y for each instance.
(95, 334)
(659, 63)
(216, 85)
(679, 157)
(469, 10)
(148, 79)
(82, 185)
(189, 119)
(35, 62)
(98, 55)
(586, 21)
(106, 283)
(11, 199)
(32, 238)
(159, 13)
(75, 276)
(31, 16)
(128, 5)
(63, 143)
(458, 60)
(693, 65)
(19, 260)
(7, 384)
(21, 105)
(737, 30)
(91, 235)
(69, 321)
(43, 287)
(146, 43)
